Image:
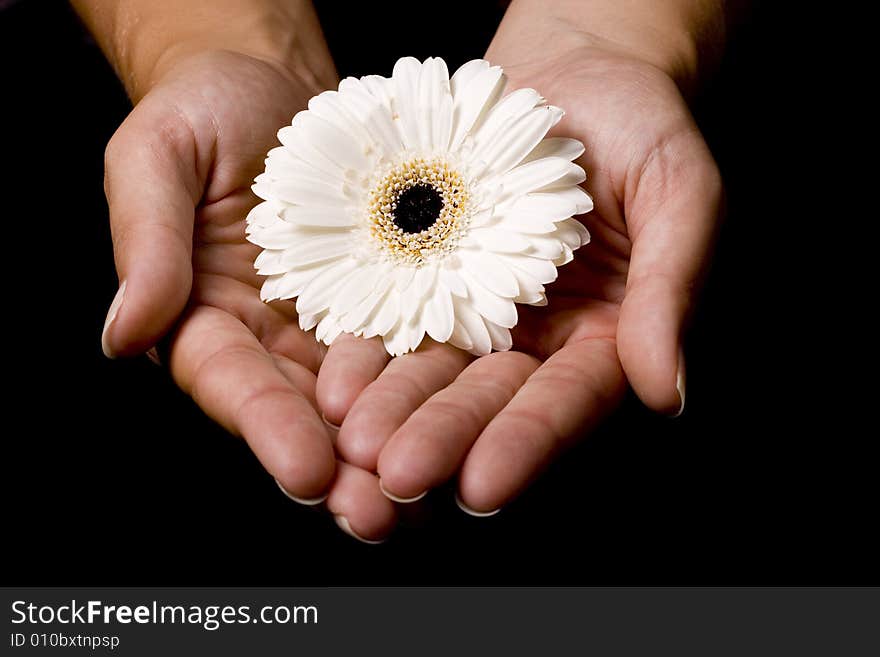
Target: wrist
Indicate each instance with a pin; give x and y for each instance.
(681, 38)
(146, 39)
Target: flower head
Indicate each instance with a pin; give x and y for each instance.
(418, 204)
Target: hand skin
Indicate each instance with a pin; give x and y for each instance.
(617, 313)
(213, 81)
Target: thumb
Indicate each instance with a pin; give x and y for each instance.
(152, 189)
(672, 220)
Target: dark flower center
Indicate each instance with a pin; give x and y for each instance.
(418, 207)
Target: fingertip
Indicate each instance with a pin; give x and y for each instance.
(475, 497)
(350, 366)
(648, 344)
(154, 298)
(401, 498)
(291, 441)
(334, 401)
(358, 446)
(107, 342)
(305, 479)
(473, 512)
(343, 524)
(305, 501)
(680, 380)
(359, 507)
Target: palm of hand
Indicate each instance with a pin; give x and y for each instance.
(204, 132)
(499, 420)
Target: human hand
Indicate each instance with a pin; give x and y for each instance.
(616, 313)
(178, 178)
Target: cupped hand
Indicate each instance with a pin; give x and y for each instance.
(178, 177)
(616, 313)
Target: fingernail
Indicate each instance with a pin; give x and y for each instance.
(477, 514)
(344, 525)
(153, 355)
(111, 315)
(401, 500)
(305, 501)
(332, 429)
(680, 382)
(329, 423)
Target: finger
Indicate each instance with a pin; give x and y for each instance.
(673, 221)
(359, 507)
(220, 363)
(151, 187)
(351, 364)
(565, 397)
(274, 324)
(431, 445)
(403, 386)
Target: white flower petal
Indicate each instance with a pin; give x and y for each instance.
(262, 188)
(498, 309)
(263, 214)
(497, 239)
(473, 94)
(465, 73)
(529, 224)
(502, 116)
(270, 285)
(500, 336)
(375, 112)
(524, 134)
(472, 325)
(566, 257)
(328, 106)
(460, 337)
(415, 333)
(542, 271)
(539, 208)
(318, 294)
(319, 216)
(453, 282)
(535, 175)
(422, 283)
(564, 147)
(293, 282)
(403, 277)
(583, 202)
(355, 319)
(386, 315)
(279, 235)
(397, 340)
(308, 322)
(333, 142)
(492, 272)
(356, 288)
(269, 263)
(434, 105)
(328, 330)
(283, 165)
(300, 146)
(380, 88)
(439, 314)
(303, 191)
(547, 247)
(316, 249)
(530, 290)
(573, 233)
(405, 81)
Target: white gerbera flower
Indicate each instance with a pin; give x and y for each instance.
(420, 204)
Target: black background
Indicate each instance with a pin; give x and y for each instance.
(112, 476)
